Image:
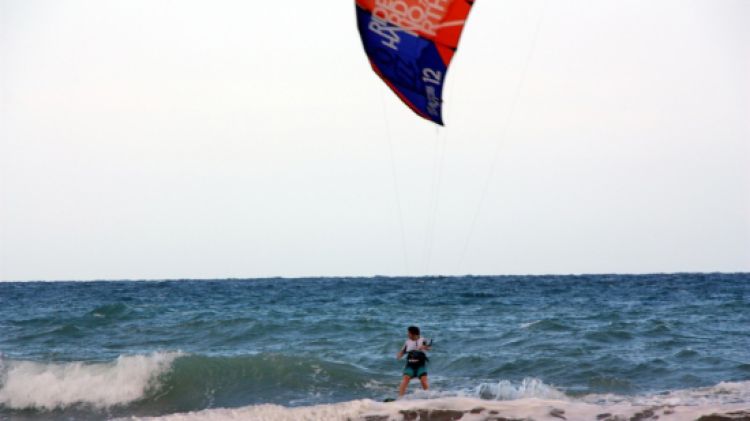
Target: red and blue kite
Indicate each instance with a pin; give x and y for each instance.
(410, 44)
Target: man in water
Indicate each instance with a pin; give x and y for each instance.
(416, 359)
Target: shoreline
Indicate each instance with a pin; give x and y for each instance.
(470, 409)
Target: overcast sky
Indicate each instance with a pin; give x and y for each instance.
(196, 139)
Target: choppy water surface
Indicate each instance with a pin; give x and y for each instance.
(87, 349)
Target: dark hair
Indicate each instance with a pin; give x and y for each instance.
(413, 330)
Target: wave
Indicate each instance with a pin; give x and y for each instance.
(180, 382)
(507, 390)
(550, 325)
(29, 384)
(113, 310)
(199, 381)
(172, 384)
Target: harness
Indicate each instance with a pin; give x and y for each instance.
(416, 357)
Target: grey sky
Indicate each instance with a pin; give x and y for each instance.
(167, 139)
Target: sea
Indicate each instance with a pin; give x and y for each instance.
(607, 347)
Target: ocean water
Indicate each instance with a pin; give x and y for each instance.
(299, 348)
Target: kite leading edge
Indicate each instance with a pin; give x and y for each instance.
(410, 44)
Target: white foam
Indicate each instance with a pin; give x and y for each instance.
(503, 390)
(722, 394)
(529, 408)
(528, 388)
(28, 384)
(342, 411)
(531, 399)
(528, 324)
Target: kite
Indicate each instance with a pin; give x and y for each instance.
(410, 44)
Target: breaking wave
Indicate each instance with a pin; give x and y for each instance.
(29, 384)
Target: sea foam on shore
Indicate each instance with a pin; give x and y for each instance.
(725, 401)
(471, 409)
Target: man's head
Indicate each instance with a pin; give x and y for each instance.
(413, 332)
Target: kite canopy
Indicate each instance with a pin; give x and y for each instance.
(410, 44)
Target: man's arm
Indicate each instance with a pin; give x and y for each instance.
(401, 353)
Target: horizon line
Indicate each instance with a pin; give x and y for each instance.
(317, 277)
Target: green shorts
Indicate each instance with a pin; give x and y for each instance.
(415, 371)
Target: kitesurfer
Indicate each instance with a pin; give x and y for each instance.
(416, 359)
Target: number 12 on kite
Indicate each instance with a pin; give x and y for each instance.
(410, 44)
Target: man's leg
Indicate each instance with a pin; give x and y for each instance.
(404, 384)
(425, 384)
